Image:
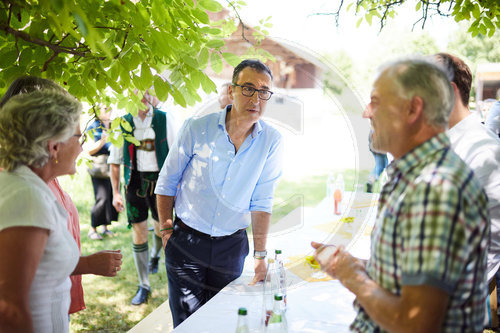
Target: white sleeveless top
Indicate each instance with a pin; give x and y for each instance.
(25, 200)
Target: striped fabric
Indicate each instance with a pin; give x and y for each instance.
(432, 229)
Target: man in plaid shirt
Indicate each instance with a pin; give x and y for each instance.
(427, 271)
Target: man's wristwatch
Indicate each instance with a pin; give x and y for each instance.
(260, 254)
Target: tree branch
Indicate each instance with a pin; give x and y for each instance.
(109, 28)
(243, 26)
(54, 47)
(123, 45)
(10, 14)
(62, 39)
(46, 64)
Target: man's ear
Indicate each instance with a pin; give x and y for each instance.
(416, 109)
(456, 92)
(230, 91)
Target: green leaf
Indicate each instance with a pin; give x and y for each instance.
(207, 84)
(231, 58)
(178, 98)
(161, 88)
(216, 62)
(191, 62)
(100, 81)
(26, 57)
(203, 58)
(201, 16)
(418, 6)
(482, 29)
(57, 4)
(116, 141)
(146, 76)
(195, 80)
(158, 12)
(488, 23)
(359, 22)
(369, 17)
(8, 58)
(126, 125)
(215, 43)
(210, 5)
(113, 84)
(132, 139)
(82, 26)
(13, 72)
(476, 12)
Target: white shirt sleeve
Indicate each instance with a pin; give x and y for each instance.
(115, 155)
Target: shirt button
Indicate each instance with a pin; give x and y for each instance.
(223, 196)
(218, 214)
(228, 178)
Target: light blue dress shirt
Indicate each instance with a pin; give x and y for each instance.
(215, 187)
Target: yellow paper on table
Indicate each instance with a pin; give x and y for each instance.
(367, 201)
(333, 227)
(303, 268)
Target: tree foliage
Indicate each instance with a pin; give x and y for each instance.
(101, 51)
(480, 49)
(483, 15)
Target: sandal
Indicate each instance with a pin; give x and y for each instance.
(108, 233)
(94, 235)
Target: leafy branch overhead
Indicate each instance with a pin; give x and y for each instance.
(102, 51)
(483, 15)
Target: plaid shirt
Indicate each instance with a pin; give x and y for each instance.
(432, 229)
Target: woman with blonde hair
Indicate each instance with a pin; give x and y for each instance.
(39, 140)
(105, 263)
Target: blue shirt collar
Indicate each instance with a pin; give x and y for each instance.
(257, 128)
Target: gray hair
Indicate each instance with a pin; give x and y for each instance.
(29, 121)
(420, 77)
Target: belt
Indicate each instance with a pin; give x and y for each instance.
(184, 226)
(147, 145)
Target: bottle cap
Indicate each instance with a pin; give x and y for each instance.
(242, 311)
(277, 251)
(278, 297)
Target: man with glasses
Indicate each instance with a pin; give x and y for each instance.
(221, 172)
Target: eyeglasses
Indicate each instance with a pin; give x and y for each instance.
(81, 138)
(247, 91)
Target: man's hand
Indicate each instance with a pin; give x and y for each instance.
(105, 263)
(260, 271)
(340, 264)
(165, 234)
(118, 202)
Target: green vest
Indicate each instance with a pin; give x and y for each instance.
(159, 125)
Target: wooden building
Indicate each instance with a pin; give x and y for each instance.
(294, 67)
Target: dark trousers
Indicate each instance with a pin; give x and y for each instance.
(103, 212)
(140, 196)
(199, 266)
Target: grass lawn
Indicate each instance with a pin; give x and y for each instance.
(108, 299)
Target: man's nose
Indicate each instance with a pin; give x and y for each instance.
(255, 97)
(367, 112)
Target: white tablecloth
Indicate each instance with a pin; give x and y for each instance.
(313, 305)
